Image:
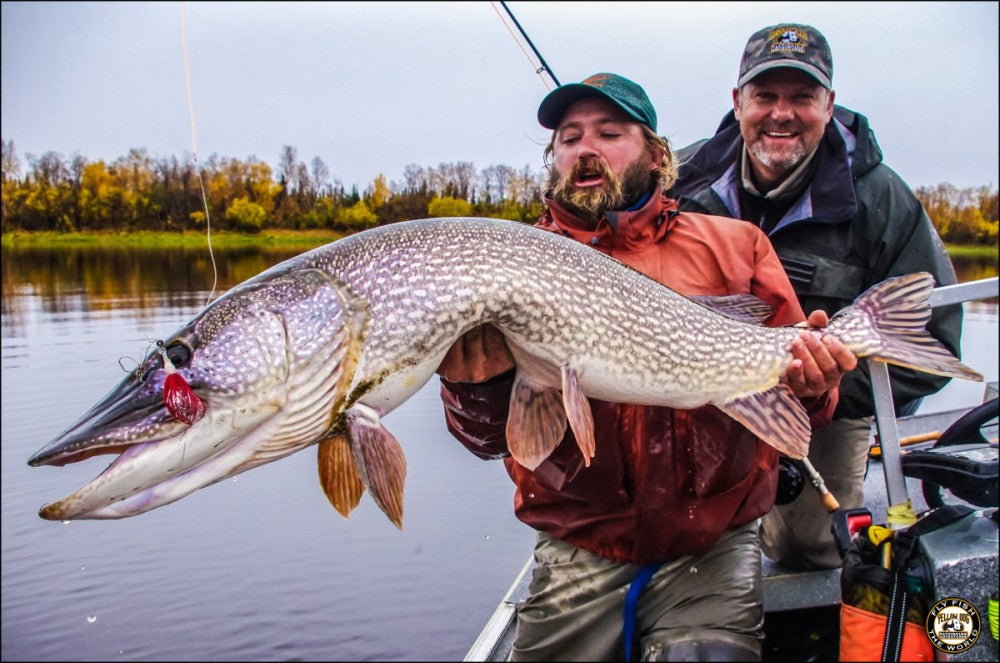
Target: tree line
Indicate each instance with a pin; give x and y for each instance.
(139, 192)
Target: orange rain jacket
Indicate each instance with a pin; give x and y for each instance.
(663, 482)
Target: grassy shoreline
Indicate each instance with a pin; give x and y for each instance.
(144, 239)
(286, 239)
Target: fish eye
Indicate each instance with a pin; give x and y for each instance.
(179, 354)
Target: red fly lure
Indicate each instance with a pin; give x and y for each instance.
(181, 401)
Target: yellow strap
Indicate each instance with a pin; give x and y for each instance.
(900, 515)
(877, 534)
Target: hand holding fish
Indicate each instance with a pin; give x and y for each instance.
(819, 362)
(480, 354)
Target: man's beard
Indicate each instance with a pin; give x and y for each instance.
(783, 161)
(617, 193)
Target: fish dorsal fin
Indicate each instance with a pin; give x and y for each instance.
(581, 420)
(378, 458)
(338, 476)
(775, 416)
(744, 308)
(536, 423)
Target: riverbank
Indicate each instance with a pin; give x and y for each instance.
(287, 239)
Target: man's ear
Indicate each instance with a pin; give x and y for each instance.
(657, 158)
(736, 102)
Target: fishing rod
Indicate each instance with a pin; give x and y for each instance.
(545, 65)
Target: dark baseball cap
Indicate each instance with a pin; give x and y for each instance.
(791, 45)
(617, 89)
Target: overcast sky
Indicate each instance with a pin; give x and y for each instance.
(371, 87)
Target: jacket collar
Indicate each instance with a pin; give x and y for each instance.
(846, 151)
(628, 230)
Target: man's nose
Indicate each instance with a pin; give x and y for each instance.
(586, 147)
(782, 109)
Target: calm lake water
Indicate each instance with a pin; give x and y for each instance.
(258, 567)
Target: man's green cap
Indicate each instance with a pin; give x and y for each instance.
(791, 45)
(617, 89)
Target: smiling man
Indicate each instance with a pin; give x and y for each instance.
(671, 500)
(810, 174)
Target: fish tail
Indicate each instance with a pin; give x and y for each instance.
(888, 322)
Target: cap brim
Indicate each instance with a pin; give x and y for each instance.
(812, 70)
(554, 105)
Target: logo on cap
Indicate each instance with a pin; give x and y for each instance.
(783, 40)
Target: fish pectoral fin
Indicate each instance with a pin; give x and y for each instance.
(378, 458)
(581, 420)
(775, 416)
(338, 476)
(536, 422)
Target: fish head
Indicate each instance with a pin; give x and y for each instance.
(270, 363)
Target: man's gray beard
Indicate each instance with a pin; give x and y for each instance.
(784, 165)
(591, 203)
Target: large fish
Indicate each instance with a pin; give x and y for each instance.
(320, 347)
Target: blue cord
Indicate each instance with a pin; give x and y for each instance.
(639, 582)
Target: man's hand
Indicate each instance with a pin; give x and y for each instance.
(480, 354)
(819, 362)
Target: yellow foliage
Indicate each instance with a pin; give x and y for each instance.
(380, 191)
(448, 206)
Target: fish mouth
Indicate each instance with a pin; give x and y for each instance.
(146, 475)
(104, 429)
(159, 459)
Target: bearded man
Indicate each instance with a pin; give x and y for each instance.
(670, 503)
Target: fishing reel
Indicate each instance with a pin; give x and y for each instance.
(791, 480)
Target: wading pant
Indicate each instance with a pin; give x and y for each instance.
(694, 608)
(798, 534)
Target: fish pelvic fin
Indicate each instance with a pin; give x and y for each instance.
(888, 322)
(338, 476)
(581, 420)
(378, 458)
(536, 422)
(776, 416)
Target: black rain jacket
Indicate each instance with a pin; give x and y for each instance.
(856, 223)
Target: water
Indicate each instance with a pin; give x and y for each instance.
(259, 567)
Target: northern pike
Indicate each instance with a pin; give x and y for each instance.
(317, 349)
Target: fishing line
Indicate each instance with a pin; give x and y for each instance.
(538, 70)
(194, 152)
(140, 377)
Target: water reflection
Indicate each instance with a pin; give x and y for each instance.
(153, 278)
(91, 279)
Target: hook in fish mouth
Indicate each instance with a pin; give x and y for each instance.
(133, 418)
